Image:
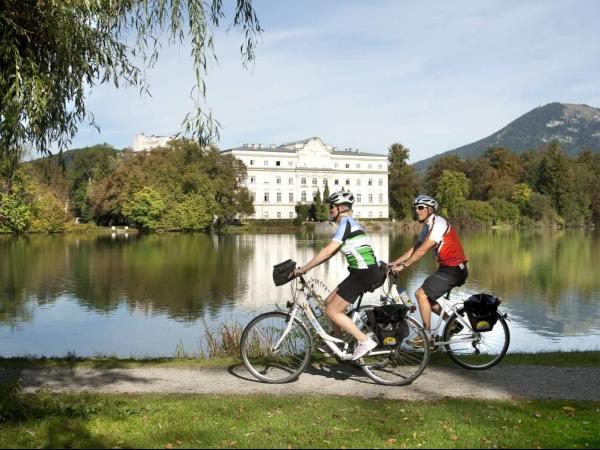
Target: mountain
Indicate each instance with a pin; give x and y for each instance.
(577, 127)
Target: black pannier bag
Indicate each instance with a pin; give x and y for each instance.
(282, 272)
(388, 322)
(381, 276)
(482, 310)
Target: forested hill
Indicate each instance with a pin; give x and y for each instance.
(576, 127)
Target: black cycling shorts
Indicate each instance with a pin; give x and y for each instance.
(446, 278)
(358, 282)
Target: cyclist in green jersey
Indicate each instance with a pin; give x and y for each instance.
(352, 240)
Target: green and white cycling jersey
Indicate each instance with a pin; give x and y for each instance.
(356, 244)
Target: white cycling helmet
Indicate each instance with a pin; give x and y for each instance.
(427, 201)
(341, 198)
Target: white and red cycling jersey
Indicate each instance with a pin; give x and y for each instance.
(448, 249)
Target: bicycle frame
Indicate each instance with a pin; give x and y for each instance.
(450, 310)
(302, 305)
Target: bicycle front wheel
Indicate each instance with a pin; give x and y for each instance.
(399, 365)
(272, 355)
(472, 350)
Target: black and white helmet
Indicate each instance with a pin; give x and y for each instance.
(341, 198)
(427, 201)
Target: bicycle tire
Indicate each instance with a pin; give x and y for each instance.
(288, 361)
(402, 364)
(468, 354)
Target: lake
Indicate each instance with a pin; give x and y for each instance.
(148, 295)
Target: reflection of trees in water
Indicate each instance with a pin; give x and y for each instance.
(31, 270)
(549, 265)
(548, 278)
(181, 275)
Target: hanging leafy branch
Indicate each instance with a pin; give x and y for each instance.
(51, 51)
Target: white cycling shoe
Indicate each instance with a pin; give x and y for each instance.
(363, 348)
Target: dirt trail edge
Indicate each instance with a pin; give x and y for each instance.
(502, 382)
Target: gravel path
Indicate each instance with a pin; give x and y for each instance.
(502, 382)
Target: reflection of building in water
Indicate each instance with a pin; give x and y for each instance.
(279, 177)
(272, 249)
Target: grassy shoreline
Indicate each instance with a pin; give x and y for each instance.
(557, 359)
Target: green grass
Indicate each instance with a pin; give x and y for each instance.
(102, 421)
(558, 359)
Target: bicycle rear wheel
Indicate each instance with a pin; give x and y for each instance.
(476, 351)
(400, 365)
(281, 364)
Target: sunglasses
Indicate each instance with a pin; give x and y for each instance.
(332, 206)
(420, 207)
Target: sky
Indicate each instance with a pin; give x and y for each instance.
(431, 76)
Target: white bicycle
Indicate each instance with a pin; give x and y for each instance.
(276, 347)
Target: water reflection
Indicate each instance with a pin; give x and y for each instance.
(65, 293)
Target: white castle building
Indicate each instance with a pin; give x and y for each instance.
(281, 176)
(142, 143)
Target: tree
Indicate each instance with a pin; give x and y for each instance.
(480, 212)
(494, 174)
(145, 208)
(540, 209)
(176, 173)
(89, 165)
(553, 176)
(52, 52)
(326, 201)
(402, 181)
(321, 211)
(15, 213)
(453, 191)
(505, 211)
(520, 195)
(192, 213)
(435, 170)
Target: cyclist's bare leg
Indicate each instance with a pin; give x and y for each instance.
(426, 307)
(335, 309)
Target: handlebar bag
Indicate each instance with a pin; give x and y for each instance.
(282, 272)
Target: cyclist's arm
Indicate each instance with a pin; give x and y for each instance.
(404, 257)
(418, 252)
(327, 252)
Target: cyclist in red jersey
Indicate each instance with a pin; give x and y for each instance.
(439, 235)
